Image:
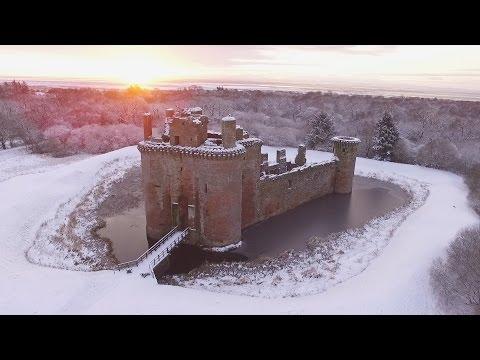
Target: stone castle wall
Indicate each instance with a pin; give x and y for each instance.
(177, 179)
(283, 192)
(220, 183)
(219, 201)
(250, 176)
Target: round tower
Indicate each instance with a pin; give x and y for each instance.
(345, 149)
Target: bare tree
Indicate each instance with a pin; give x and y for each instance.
(439, 153)
(426, 120)
(10, 116)
(366, 132)
(456, 278)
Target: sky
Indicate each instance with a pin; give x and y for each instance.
(403, 67)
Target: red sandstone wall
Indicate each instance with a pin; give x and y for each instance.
(157, 195)
(233, 198)
(220, 209)
(173, 177)
(189, 134)
(250, 176)
(276, 195)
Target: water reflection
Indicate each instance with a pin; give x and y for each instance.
(329, 214)
(127, 233)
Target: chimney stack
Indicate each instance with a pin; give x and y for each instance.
(229, 130)
(301, 159)
(147, 126)
(169, 113)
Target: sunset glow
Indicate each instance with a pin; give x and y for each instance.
(402, 67)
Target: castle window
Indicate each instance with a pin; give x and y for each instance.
(289, 184)
(206, 189)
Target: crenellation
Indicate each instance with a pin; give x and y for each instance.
(218, 183)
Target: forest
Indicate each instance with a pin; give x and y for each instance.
(437, 133)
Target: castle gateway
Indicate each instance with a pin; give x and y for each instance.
(217, 184)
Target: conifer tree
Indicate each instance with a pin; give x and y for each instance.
(321, 131)
(386, 137)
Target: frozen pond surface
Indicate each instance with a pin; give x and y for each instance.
(370, 198)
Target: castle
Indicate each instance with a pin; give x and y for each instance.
(218, 183)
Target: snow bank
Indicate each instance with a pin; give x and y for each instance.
(394, 282)
(50, 249)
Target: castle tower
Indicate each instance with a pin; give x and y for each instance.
(345, 149)
(191, 182)
(252, 164)
(220, 197)
(229, 132)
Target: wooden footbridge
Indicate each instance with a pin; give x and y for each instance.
(155, 255)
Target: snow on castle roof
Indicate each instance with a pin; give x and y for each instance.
(346, 139)
(228, 118)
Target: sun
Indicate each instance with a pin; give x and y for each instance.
(143, 80)
(142, 71)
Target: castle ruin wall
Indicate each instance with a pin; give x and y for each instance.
(218, 183)
(283, 192)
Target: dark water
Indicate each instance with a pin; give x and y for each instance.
(127, 233)
(332, 213)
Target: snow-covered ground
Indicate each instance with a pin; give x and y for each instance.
(37, 190)
(323, 264)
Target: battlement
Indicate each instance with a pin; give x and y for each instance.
(206, 151)
(250, 142)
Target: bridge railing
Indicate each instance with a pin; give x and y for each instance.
(142, 257)
(160, 257)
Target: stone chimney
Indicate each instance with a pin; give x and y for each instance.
(239, 133)
(229, 129)
(301, 159)
(169, 113)
(282, 160)
(147, 126)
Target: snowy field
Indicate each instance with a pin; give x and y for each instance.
(38, 192)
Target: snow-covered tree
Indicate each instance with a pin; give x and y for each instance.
(386, 137)
(456, 276)
(404, 151)
(440, 154)
(321, 131)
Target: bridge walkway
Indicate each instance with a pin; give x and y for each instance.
(146, 262)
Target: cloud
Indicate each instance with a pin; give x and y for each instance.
(301, 55)
(351, 49)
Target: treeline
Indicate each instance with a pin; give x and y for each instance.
(431, 132)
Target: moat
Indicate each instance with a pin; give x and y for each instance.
(332, 213)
